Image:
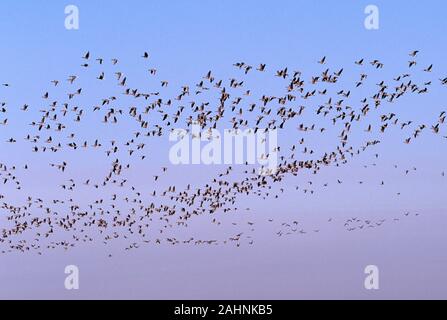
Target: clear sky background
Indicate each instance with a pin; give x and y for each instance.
(186, 39)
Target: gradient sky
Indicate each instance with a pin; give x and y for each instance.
(185, 40)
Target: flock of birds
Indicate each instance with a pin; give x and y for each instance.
(141, 216)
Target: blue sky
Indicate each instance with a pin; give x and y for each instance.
(185, 39)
